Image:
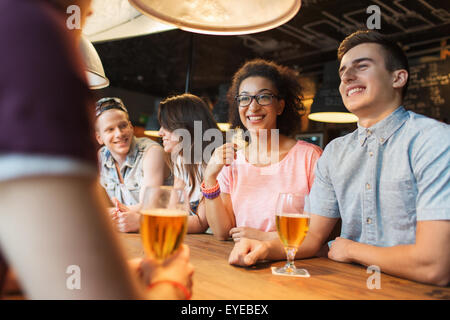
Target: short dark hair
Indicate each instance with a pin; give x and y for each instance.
(394, 56)
(285, 81)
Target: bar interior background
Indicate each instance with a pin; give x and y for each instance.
(145, 66)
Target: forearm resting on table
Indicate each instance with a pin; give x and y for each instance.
(320, 228)
(64, 207)
(309, 248)
(427, 260)
(219, 219)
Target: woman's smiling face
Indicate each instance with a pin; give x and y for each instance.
(254, 116)
(169, 139)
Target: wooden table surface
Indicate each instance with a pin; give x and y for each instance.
(215, 279)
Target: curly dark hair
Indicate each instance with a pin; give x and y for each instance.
(285, 81)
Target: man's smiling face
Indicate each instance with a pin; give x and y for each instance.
(366, 84)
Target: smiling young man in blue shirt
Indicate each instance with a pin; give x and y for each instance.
(389, 180)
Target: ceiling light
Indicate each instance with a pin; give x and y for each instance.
(221, 17)
(327, 104)
(93, 65)
(117, 19)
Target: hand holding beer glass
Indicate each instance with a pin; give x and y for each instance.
(292, 226)
(164, 215)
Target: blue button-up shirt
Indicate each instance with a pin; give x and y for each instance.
(383, 179)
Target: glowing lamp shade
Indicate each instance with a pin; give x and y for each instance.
(220, 17)
(117, 19)
(93, 65)
(327, 105)
(334, 117)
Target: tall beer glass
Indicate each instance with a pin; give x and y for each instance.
(164, 215)
(292, 226)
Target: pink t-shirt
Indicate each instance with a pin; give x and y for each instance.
(254, 190)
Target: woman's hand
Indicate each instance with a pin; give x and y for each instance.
(223, 155)
(244, 232)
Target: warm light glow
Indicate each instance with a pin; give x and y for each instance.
(117, 19)
(224, 126)
(220, 17)
(307, 102)
(95, 80)
(152, 133)
(333, 117)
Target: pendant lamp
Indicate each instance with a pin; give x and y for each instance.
(94, 69)
(117, 19)
(327, 105)
(220, 17)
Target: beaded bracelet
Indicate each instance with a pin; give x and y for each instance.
(210, 193)
(187, 294)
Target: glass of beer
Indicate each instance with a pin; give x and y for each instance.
(164, 213)
(292, 225)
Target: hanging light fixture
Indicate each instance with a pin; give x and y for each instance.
(327, 104)
(220, 17)
(117, 19)
(93, 65)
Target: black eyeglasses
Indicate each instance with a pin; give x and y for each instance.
(109, 103)
(263, 99)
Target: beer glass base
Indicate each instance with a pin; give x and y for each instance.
(282, 271)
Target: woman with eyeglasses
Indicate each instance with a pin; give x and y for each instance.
(241, 186)
(179, 117)
(53, 225)
(127, 164)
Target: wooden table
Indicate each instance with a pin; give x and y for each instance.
(215, 279)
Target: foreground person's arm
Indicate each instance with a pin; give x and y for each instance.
(428, 260)
(48, 224)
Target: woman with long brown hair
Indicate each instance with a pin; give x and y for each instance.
(186, 117)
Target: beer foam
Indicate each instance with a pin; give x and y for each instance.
(294, 215)
(164, 212)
